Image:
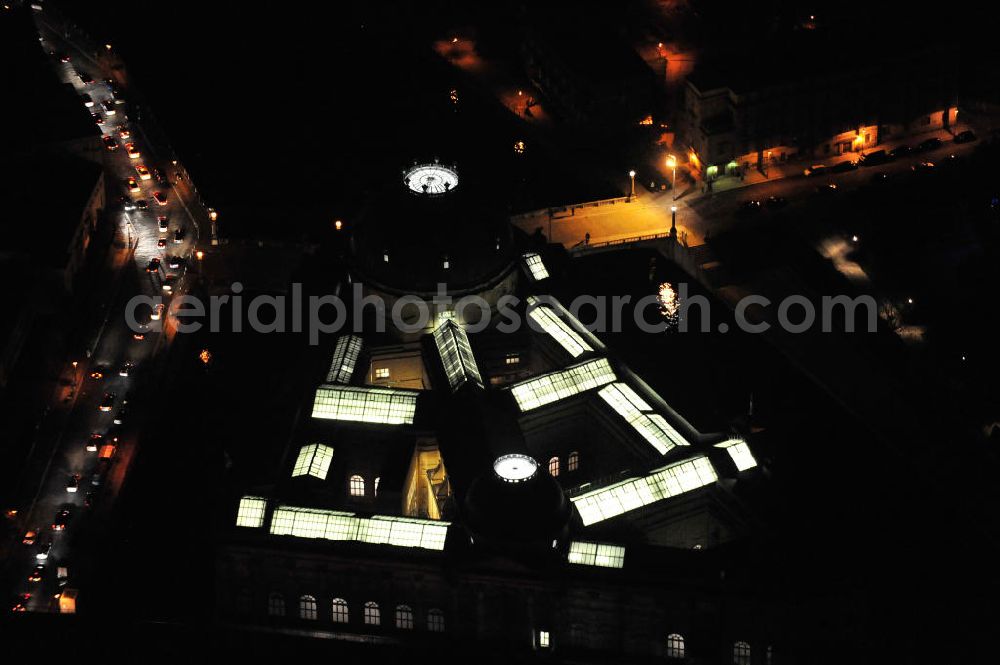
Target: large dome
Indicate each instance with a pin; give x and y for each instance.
(432, 225)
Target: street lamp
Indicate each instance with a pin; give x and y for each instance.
(672, 165)
(631, 175)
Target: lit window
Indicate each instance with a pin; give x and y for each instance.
(404, 617)
(386, 406)
(357, 486)
(513, 359)
(446, 264)
(741, 653)
(739, 452)
(459, 363)
(554, 386)
(276, 605)
(621, 497)
(375, 489)
(340, 611)
(596, 554)
(251, 512)
(313, 460)
(307, 608)
(573, 461)
(345, 358)
(377, 529)
(546, 319)
(675, 646)
(651, 426)
(435, 621)
(536, 268)
(543, 639)
(554, 467)
(381, 372)
(373, 617)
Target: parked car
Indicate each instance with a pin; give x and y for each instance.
(816, 169)
(875, 158)
(776, 202)
(844, 166)
(748, 208)
(900, 151)
(932, 143)
(965, 137)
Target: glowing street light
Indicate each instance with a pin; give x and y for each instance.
(199, 255)
(338, 225)
(672, 165)
(205, 356)
(212, 214)
(673, 221)
(631, 175)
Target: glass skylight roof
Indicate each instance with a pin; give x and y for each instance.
(652, 426)
(456, 355)
(387, 406)
(431, 179)
(559, 330)
(739, 452)
(536, 268)
(251, 512)
(554, 386)
(378, 529)
(515, 468)
(345, 359)
(619, 498)
(313, 460)
(596, 554)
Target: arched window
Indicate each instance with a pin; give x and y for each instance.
(276, 605)
(377, 479)
(373, 617)
(675, 646)
(404, 617)
(357, 485)
(741, 653)
(435, 621)
(307, 607)
(573, 461)
(341, 613)
(244, 601)
(554, 466)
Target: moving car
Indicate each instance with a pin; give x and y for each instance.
(108, 402)
(73, 484)
(965, 137)
(85, 78)
(153, 265)
(43, 551)
(142, 204)
(110, 143)
(88, 101)
(30, 536)
(97, 372)
(179, 236)
(59, 521)
(120, 416)
(63, 57)
(168, 284)
(133, 152)
(133, 185)
(125, 369)
(20, 603)
(143, 172)
(36, 574)
(160, 198)
(124, 134)
(174, 262)
(157, 312)
(159, 177)
(162, 221)
(97, 118)
(94, 442)
(109, 107)
(815, 169)
(161, 243)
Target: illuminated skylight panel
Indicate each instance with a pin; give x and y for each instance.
(740, 453)
(378, 529)
(556, 328)
(561, 384)
(313, 460)
(536, 267)
(596, 554)
(345, 359)
(385, 406)
(251, 512)
(651, 426)
(456, 355)
(622, 497)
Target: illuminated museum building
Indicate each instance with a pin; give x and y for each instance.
(522, 494)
